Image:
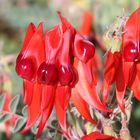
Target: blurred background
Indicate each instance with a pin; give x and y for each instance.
(15, 15)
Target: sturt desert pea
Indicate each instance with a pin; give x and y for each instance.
(87, 30)
(98, 136)
(47, 64)
(87, 84)
(123, 67)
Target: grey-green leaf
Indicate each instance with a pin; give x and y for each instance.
(14, 103)
(24, 111)
(2, 101)
(34, 129)
(5, 117)
(19, 124)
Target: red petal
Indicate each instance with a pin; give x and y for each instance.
(97, 65)
(27, 91)
(109, 73)
(53, 41)
(98, 136)
(47, 95)
(88, 93)
(34, 109)
(90, 96)
(88, 70)
(120, 87)
(61, 102)
(35, 48)
(135, 87)
(111, 66)
(81, 106)
(29, 34)
(53, 38)
(105, 91)
(86, 25)
(64, 57)
(30, 31)
(132, 30)
(83, 49)
(47, 106)
(138, 69)
(64, 23)
(128, 70)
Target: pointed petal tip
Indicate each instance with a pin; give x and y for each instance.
(32, 26)
(40, 24)
(106, 110)
(24, 130)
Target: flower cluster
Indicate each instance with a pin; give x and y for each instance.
(122, 67)
(53, 64)
(59, 65)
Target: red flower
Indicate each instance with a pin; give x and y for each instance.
(87, 31)
(98, 136)
(123, 67)
(84, 93)
(52, 65)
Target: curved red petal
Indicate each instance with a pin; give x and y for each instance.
(35, 49)
(34, 109)
(138, 70)
(53, 38)
(30, 31)
(83, 49)
(47, 106)
(105, 91)
(136, 88)
(109, 73)
(88, 93)
(89, 72)
(98, 136)
(81, 106)
(29, 34)
(97, 65)
(64, 23)
(62, 98)
(112, 63)
(27, 91)
(47, 94)
(132, 30)
(64, 57)
(53, 42)
(120, 87)
(128, 70)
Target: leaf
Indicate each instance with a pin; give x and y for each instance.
(78, 128)
(19, 124)
(34, 129)
(5, 116)
(14, 103)
(24, 111)
(2, 100)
